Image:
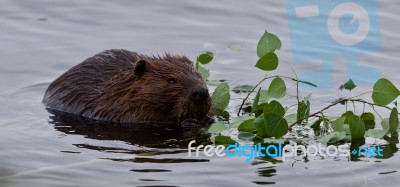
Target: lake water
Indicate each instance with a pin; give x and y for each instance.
(39, 40)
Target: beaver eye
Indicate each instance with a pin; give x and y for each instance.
(171, 80)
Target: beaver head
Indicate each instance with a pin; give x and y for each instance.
(168, 89)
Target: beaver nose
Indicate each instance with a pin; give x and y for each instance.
(200, 95)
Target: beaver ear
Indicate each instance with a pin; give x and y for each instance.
(140, 68)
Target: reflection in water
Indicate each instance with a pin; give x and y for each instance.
(150, 170)
(355, 144)
(388, 149)
(147, 135)
(266, 172)
(161, 160)
(389, 172)
(158, 186)
(171, 140)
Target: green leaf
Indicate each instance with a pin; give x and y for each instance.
(369, 120)
(247, 126)
(303, 110)
(243, 89)
(291, 118)
(246, 136)
(379, 133)
(349, 85)
(235, 122)
(224, 140)
(337, 125)
(217, 128)
(261, 107)
(256, 99)
(347, 115)
(264, 97)
(221, 97)
(316, 126)
(385, 124)
(357, 127)
(340, 136)
(276, 125)
(394, 120)
(268, 62)
(305, 82)
(376, 133)
(205, 58)
(333, 137)
(213, 82)
(326, 123)
(268, 43)
(347, 129)
(384, 92)
(223, 114)
(204, 73)
(259, 124)
(277, 88)
(274, 107)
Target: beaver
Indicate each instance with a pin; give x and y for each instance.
(126, 87)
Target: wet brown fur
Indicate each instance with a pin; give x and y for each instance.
(105, 87)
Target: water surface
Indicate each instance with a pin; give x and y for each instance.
(39, 40)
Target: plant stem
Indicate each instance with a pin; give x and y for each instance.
(360, 94)
(297, 80)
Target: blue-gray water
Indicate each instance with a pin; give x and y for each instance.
(39, 40)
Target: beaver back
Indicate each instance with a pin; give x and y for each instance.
(123, 86)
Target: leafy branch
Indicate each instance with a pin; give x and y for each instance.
(339, 101)
(264, 79)
(268, 118)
